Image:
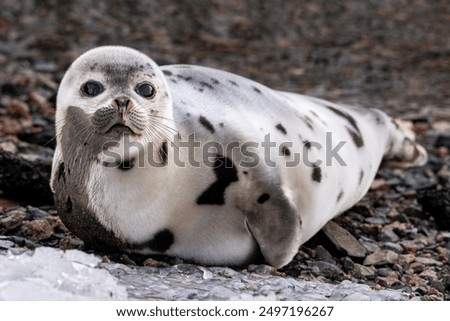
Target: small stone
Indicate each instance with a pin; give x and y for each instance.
(422, 290)
(5, 244)
(428, 275)
(262, 269)
(437, 204)
(442, 151)
(105, 259)
(393, 247)
(408, 246)
(70, 242)
(126, 260)
(438, 285)
(381, 257)
(327, 269)
(19, 109)
(369, 244)
(13, 219)
(398, 268)
(384, 272)
(388, 282)
(379, 184)
(323, 255)
(388, 235)
(415, 280)
(428, 261)
(37, 213)
(446, 282)
(38, 230)
(348, 264)
(154, 263)
(406, 259)
(416, 268)
(343, 240)
(363, 272)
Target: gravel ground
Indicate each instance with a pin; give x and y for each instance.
(390, 54)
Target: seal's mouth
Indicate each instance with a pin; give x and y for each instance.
(120, 128)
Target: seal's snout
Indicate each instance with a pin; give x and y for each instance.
(122, 103)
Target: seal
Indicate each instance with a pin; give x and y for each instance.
(206, 165)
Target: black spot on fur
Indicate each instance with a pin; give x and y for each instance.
(184, 78)
(167, 73)
(233, 83)
(126, 165)
(205, 84)
(361, 176)
(281, 128)
(345, 115)
(174, 81)
(221, 125)
(206, 123)
(256, 89)
(357, 139)
(225, 175)
(163, 153)
(316, 174)
(161, 242)
(339, 197)
(263, 198)
(61, 171)
(308, 121)
(314, 113)
(69, 205)
(215, 81)
(285, 151)
(245, 172)
(188, 114)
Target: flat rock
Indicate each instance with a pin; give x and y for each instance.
(381, 257)
(428, 261)
(343, 240)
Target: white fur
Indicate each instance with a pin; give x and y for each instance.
(138, 203)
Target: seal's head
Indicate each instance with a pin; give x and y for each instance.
(116, 90)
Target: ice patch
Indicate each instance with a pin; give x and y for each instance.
(52, 274)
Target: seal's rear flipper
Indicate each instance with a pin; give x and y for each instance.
(403, 151)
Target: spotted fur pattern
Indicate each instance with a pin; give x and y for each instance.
(226, 213)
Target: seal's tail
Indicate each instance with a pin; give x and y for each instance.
(403, 151)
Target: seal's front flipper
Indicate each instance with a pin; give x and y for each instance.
(276, 226)
(403, 151)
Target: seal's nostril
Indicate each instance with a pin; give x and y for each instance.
(122, 103)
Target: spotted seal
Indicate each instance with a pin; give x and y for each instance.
(206, 165)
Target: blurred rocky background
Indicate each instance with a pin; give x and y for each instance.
(389, 54)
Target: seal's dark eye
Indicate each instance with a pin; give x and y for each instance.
(92, 88)
(145, 90)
